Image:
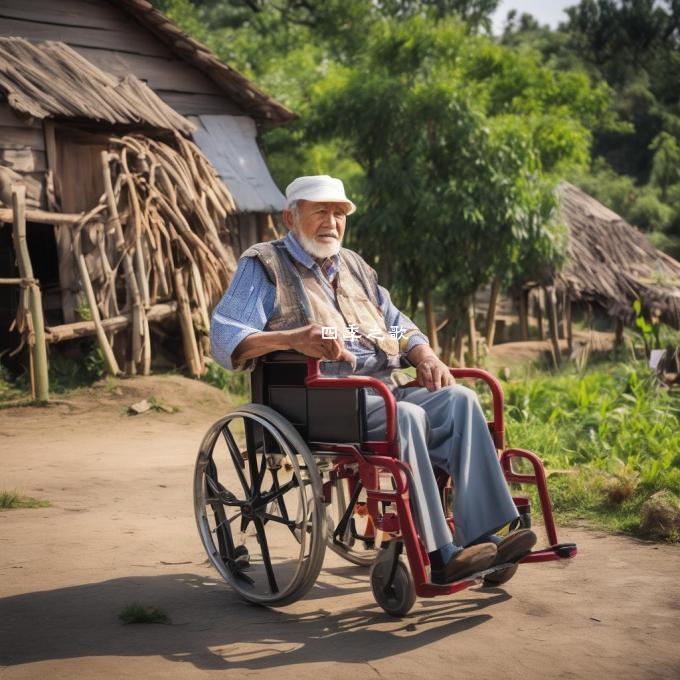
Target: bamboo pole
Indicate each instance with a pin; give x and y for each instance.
(200, 295)
(128, 267)
(109, 358)
(187, 326)
(146, 351)
(81, 329)
(18, 282)
(41, 216)
(38, 347)
(490, 331)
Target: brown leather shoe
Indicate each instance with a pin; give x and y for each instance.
(515, 546)
(465, 563)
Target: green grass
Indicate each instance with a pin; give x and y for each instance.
(64, 374)
(612, 426)
(141, 613)
(11, 500)
(237, 383)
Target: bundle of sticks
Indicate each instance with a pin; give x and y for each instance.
(159, 234)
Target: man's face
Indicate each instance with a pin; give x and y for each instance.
(319, 226)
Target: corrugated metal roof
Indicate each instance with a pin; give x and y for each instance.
(230, 143)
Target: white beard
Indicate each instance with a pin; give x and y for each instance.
(316, 249)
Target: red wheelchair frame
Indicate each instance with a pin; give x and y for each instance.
(373, 457)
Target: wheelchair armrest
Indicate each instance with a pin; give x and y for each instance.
(315, 379)
(497, 425)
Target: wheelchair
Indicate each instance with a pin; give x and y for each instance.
(281, 479)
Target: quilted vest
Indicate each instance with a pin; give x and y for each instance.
(302, 298)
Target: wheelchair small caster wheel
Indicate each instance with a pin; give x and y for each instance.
(497, 578)
(397, 597)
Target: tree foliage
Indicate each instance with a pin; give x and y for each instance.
(633, 46)
(454, 140)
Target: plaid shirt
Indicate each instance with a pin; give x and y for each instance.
(329, 268)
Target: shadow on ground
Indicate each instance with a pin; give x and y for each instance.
(213, 629)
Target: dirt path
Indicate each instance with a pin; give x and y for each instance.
(121, 529)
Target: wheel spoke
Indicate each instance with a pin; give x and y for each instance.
(262, 538)
(268, 517)
(279, 499)
(263, 470)
(224, 540)
(276, 493)
(236, 458)
(249, 427)
(224, 496)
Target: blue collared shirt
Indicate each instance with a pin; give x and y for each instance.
(248, 304)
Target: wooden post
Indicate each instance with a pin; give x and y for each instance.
(552, 324)
(523, 316)
(559, 306)
(539, 313)
(447, 343)
(188, 336)
(618, 333)
(109, 358)
(62, 232)
(490, 331)
(458, 348)
(431, 322)
(472, 332)
(40, 383)
(570, 330)
(137, 331)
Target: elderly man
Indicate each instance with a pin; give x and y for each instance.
(290, 293)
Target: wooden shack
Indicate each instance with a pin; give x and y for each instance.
(136, 152)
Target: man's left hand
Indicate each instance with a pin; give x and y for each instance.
(433, 373)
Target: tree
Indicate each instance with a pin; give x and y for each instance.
(456, 138)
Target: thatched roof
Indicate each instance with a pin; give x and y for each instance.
(613, 264)
(251, 99)
(51, 80)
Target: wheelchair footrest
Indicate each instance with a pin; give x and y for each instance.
(472, 579)
(560, 551)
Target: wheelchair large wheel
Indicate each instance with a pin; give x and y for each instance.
(357, 541)
(259, 506)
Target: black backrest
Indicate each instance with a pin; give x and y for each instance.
(320, 415)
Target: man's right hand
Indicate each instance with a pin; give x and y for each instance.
(308, 340)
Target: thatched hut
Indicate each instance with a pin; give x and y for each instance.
(131, 177)
(610, 264)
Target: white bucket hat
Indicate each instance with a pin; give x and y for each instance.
(319, 188)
